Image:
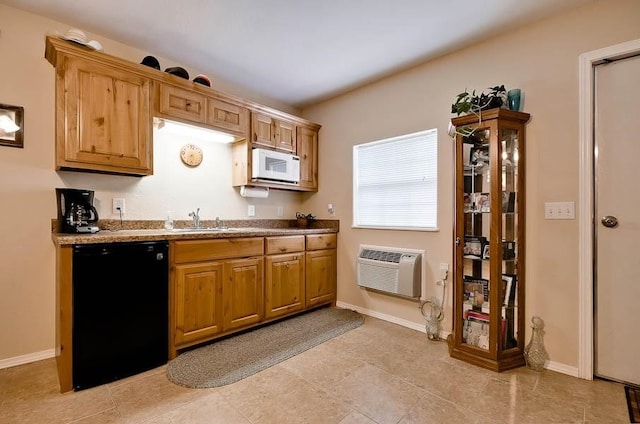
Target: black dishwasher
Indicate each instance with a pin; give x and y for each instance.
(120, 310)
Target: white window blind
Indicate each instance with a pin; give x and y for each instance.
(395, 182)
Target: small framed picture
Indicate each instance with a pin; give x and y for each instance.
(472, 248)
(11, 126)
(482, 201)
(485, 251)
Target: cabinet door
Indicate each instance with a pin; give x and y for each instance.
(198, 301)
(285, 136)
(263, 131)
(307, 150)
(180, 103)
(103, 119)
(243, 290)
(284, 284)
(228, 117)
(320, 276)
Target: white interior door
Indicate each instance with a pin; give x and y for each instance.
(617, 220)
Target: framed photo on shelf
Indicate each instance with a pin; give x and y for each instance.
(479, 156)
(473, 246)
(467, 199)
(485, 251)
(482, 201)
(508, 250)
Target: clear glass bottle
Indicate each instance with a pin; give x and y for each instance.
(534, 353)
(168, 222)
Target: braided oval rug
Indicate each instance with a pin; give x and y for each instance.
(232, 359)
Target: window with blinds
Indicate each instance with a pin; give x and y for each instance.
(395, 182)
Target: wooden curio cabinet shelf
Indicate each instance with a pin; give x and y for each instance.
(489, 240)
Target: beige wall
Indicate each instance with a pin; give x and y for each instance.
(542, 60)
(28, 179)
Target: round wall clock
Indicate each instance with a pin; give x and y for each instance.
(191, 155)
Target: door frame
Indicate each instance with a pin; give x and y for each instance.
(586, 197)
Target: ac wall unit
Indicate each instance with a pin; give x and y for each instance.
(390, 270)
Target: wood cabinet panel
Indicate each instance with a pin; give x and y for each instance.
(320, 276)
(243, 289)
(180, 103)
(284, 284)
(228, 117)
(263, 131)
(203, 250)
(198, 301)
(107, 119)
(307, 150)
(322, 241)
(285, 136)
(275, 245)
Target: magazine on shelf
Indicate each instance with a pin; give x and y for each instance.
(476, 291)
(476, 333)
(473, 247)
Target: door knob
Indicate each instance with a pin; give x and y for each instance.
(609, 221)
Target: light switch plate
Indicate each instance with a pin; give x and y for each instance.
(559, 210)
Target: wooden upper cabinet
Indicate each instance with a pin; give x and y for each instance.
(103, 118)
(263, 131)
(272, 132)
(285, 136)
(209, 112)
(307, 150)
(180, 103)
(228, 117)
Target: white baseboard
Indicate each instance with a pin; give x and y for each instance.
(384, 317)
(25, 359)
(563, 369)
(552, 366)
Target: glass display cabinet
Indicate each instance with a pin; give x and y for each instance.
(489, 239)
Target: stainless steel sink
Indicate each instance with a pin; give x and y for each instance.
(202, 230)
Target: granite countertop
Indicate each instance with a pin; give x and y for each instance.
(128, 231)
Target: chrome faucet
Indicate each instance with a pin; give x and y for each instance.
(196, 218)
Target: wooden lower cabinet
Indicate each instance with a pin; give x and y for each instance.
(219, 286)
(243, 292)
(198, 301)
(321, 276)
(321, 268)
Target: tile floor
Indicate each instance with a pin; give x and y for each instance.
(377, 373)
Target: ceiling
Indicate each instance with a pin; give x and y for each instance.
(297, 51)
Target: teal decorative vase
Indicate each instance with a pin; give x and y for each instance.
(513, 99)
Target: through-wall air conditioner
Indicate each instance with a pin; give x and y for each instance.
(390, 270)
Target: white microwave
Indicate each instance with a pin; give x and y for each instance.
(275, 166)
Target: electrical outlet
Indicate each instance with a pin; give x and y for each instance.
(444, 271)
(280, 211)
(251, 210)
(559, 210)
(118, 205)
(331, 209)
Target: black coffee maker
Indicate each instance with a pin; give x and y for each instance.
(76, 213)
